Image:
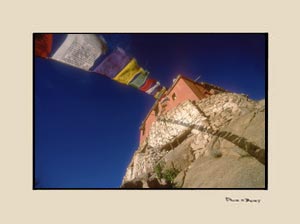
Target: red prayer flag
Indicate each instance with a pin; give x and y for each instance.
(42, 45)
(148, 84)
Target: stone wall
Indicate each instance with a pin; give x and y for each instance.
(208, 113)
(168, 126)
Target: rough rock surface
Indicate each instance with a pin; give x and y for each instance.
(216, 142)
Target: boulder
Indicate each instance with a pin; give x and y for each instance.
(225, 172)
(180, 157)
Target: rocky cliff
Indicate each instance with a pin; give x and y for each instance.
(216, 142)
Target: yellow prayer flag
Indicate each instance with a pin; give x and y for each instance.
(128, 72)
(160, 93)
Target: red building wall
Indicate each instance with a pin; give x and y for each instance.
(183, 90)
(180, 93)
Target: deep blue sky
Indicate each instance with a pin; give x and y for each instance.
(87, 126)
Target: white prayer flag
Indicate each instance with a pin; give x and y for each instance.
(149, 91)
(80, 50)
